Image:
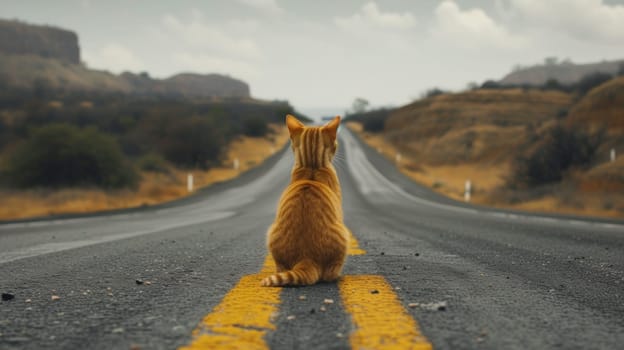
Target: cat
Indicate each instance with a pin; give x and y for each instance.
(308, 239)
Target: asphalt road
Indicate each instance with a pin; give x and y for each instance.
(507, 280)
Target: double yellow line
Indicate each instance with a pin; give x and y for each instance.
(246, 314)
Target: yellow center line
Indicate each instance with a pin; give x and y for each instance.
(245, 314)
(381, 321)
(247, 311)
(354, 247)
(243, 317)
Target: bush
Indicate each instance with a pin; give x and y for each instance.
(372, 121)
(194, 142)
(255, 127)
(60, 155)
(433, 92)
(553, 84)
(591, 81)
(154, 162)
(375, 123)
(491, 84)
(561, 149)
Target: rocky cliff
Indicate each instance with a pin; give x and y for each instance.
(43, 57)
(196, 85)
(17, 38)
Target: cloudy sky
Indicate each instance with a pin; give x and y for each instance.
(320, 55)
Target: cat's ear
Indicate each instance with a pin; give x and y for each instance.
(331, 128)
(295, 127)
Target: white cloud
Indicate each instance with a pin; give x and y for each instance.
(205, 46)
(199, 35)
(114, 57)
(472, 28)
(369, 16)
(582, 19)
(267, 6)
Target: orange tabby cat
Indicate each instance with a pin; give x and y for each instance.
(308, 239)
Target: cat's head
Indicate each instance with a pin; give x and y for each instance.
(314, 146)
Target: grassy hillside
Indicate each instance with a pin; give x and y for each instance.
(474, 126)
(527, 149)
(601, 112)
(601, 108)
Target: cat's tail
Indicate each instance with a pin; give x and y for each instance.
(304, 272)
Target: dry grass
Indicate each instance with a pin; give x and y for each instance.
(446, 179)
(154, 188)
(487, 178)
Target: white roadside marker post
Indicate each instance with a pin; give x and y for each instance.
(612, 156)
(189, 182)
(468, 188)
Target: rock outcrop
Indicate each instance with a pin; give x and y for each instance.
(18, 38)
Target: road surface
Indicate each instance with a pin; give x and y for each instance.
(425, 272)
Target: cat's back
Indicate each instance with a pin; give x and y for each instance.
(309, 202)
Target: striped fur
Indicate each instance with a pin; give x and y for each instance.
(308, 239)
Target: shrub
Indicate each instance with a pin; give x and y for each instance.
(375, 123)
(560, 150)
(194, 142)
(154, 162)
(372, 121)
(491, 84)
(255, 127)
(60, 155)
(433, 92)
(592, 80)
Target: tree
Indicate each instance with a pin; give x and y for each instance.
(359, 105)
(490, 84)
(193, 142)
(552, 84)
(517, 68)
(433, 92)
(550, 61)
(473, 85)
